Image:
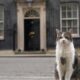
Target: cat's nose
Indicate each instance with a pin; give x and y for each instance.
(63, 41)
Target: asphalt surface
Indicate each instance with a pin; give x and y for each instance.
(27, 68)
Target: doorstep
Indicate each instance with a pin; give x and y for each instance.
(11, 53)
(36, 53)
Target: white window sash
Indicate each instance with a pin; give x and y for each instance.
(61, 18)
(77, 18)
(69, 18)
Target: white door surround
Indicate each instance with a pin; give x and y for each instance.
(22, 8)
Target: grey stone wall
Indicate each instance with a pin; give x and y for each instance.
(53, 21)
(9, 23)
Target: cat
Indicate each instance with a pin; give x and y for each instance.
(65, 55)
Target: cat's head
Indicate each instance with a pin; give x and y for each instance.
(64, 38)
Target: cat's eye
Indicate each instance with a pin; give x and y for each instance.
(67, 37)
(60, 37)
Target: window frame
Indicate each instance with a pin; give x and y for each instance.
(2, 21)
(71, 18)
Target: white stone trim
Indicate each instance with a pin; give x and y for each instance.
(20, 25)
(20, 29)
(43, 27)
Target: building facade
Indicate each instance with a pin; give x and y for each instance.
(30, 25)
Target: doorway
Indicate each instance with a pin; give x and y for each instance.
(31, 34)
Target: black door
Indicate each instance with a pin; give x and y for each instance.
(31, 34)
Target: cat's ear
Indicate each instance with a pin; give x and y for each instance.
(57, 31)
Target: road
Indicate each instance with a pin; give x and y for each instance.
(27, 68)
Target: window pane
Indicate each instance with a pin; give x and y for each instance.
(1, 21)
(1, 16)
(69, 23)
(63, 29)
(1, 33)
(63, 14)
(74, 30)
(74, 7)
(1, 26)
(1, 13)
(64, 23)
(64, 8)
(1, 29)
(69, 14)
(32, 13)
(68, 7)
(74, 23)
(74, 14)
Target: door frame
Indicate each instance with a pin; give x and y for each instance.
(21, 9)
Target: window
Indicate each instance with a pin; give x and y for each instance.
(69, 17)
(1, 22)
(32, 13)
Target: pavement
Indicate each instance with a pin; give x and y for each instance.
(27, 68)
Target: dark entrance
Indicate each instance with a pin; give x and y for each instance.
(31, 34)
